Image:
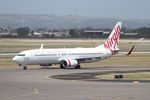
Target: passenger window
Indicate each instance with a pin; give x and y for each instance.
(21, 54)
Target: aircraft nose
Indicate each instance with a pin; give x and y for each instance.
(14, 59)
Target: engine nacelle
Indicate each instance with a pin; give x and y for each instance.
(69, 63)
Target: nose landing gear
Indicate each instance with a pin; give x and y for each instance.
(24, 67)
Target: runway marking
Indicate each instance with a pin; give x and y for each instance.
(136, 82)
(35, 92)
(48, 77)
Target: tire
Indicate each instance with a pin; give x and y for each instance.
(25, 68)
(77, 67)
(62, 67)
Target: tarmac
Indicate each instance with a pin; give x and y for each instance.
(70, 84)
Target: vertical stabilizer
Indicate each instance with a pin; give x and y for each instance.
(113, 39)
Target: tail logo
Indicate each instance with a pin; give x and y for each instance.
(113, 40)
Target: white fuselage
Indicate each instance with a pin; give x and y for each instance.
(54, 56)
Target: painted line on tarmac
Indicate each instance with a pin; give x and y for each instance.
(35, 92)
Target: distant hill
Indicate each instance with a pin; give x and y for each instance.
(50, 21)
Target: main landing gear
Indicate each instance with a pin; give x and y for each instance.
(62, 67)
(77, 67)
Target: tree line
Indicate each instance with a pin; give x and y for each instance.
(26, 32)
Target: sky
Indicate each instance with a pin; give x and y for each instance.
(127, 9)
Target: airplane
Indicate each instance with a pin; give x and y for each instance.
(71, 57)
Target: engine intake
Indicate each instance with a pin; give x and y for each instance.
(69, 63)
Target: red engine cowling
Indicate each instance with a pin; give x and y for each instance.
(69, 63)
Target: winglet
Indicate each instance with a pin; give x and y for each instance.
(130, 50)
(41, 46)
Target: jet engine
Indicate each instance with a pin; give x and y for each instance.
(69, 63)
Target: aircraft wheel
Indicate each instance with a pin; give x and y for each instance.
(25, 67)
(78, 67)
(62, 67)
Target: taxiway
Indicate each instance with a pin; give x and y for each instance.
(39, 84)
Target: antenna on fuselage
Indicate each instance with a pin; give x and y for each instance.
(41, 46)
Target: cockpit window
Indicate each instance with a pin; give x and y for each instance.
(21, 54)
